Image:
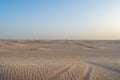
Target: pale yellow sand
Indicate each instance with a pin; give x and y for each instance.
(59, 60)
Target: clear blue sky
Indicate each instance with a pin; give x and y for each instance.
(59, 19)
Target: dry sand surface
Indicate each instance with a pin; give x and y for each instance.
(59, 60)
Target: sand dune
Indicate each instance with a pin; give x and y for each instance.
(59, 60)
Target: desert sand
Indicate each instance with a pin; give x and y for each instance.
(59, 60)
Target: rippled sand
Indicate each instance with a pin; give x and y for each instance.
(59, 60)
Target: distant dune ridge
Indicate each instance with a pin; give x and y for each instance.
(59, 60)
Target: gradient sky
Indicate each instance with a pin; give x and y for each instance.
(59, 19)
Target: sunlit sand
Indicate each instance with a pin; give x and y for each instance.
(59, 60)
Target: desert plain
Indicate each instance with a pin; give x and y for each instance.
(59, 60)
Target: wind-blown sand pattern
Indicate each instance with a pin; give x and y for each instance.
(59, 60)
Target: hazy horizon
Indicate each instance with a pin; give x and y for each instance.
(72, 20)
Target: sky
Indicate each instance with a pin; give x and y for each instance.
(60, 19)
